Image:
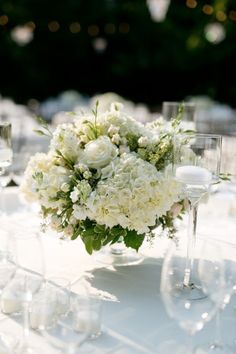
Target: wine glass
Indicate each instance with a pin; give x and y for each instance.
(7, 272)
(20, 162)
(6, 155)
(27, 280)
(197, 166)
(171, 110)
(208, 266)
(191, 315)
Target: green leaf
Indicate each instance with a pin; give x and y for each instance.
(133, 240)
(97, 244)
(39, 132)
(88, 233)
(225, 176)
(99, 229)
(75, 235)
(108, 238)
(88, 241)
(118, 231)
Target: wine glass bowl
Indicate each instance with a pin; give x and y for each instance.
(201, 152)
(218, 283)
(191, 315)
(6, 153)
(170, 110)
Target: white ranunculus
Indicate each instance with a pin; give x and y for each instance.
(99, 153)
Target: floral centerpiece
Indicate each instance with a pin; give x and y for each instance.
(106, 176)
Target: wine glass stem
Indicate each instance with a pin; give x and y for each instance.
(192, 225)
(218, 339)
(26, 323)
(2, 200)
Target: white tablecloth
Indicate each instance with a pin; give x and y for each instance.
(134, 318)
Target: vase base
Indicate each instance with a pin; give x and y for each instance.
(127, 257)
(190, 292)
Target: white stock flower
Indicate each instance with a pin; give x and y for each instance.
(143, 141)
(81, 192)
(99, 153)
(115, 139)
(74, 195)
(65, 140)
(112, 130)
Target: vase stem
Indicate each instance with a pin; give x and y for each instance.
(118, 248)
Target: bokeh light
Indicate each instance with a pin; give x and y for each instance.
(215, 33)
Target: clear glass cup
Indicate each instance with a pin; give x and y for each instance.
(66, 334)
(60, 288)
(87, 312)
(43, 312)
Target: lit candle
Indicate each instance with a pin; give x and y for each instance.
(42, 314)
(88, 322)
(195, 175)
(10, 304)
(5, 154)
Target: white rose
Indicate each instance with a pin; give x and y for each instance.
(99, 153)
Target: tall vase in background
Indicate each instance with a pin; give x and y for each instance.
(197, 166)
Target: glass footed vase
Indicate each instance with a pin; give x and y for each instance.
(119, 255)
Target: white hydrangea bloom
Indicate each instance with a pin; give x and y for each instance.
(134, 197)
(43, 179)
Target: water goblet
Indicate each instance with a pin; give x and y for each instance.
(207, 267)
(6, 155)
(196, 163)
(171, 110)
(7, 272)
(190, 315)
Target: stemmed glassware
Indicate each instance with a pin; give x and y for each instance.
(6, 154)
(27, 280)
(7, 272)
(207, 268)
(191, 315)
(172, 109)
(197, 166)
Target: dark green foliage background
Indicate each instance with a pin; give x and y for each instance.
(151, 63)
